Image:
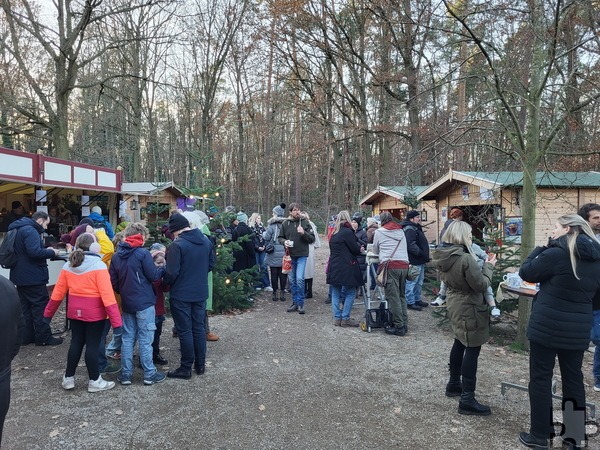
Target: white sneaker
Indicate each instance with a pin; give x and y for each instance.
(597, 387)
(68, 383)
(100, 385)
(495, 312)
(269, 289)
(438, 301)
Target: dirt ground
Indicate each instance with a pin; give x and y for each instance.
(278, 380)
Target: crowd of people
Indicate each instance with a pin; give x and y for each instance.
(126, 279)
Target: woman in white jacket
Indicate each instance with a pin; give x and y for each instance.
(309, 271)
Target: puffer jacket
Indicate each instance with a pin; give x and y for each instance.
(32, 267)
(561, 313)
(271, 235)
(10, 326)
(91, 297)
(416, 242)
(466, 283)
(132, 272)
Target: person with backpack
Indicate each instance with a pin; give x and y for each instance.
(98, 219)
(30, 276)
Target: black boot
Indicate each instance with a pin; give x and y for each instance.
(274, 296)
(467, 404)
(454, 386)
(282, 298)
(308, 288)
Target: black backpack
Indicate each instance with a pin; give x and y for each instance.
(8, 258)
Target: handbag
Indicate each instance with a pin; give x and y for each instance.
(382, 269)
(413, 272)
(270, 247)
(286, 264)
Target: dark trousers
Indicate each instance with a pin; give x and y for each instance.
(85, 334)
(463, 360)
(277, 275)
(541, 368)
(157, 333)
(102, 360)
(33, 302)
(189, 323)
(4, 397)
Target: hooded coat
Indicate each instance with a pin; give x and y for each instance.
(89, 292)
(31, 268)
(271, 235)
(466, 283)
(561, 313)
(132, 272)
(106, 224)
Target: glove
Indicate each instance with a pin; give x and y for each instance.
(47, 320)
(117, 331)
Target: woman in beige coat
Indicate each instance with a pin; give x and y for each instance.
(467, 311)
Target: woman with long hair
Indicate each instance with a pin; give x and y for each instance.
(467, 311)
(344, 275)
(567, 269)
(85, 279)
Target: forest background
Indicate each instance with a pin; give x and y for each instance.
(314, 101)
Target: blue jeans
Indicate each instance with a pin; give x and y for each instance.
(189, 323)
(596, 340)
(102, 361)
(264, 274)
(114, 345)
(412, 289)
(296, 279)
(339, 294)
(139, 326)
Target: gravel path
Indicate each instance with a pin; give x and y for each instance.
(280, 380)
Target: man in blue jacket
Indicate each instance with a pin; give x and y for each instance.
(418, 256)
(98, 218)
(30, 275)
(132, 272)
(189, 259)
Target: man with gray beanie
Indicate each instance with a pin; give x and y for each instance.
(418, 256)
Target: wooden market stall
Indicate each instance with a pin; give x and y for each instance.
(67, 190)
(393, 198)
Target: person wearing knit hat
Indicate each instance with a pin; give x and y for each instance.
(177, 223)
(132, 273)
(456, 214)
(17, 212)
(418, 255)
(98, 220)
(244, 258)
(412, 214)
(279, 210)
(190, 258)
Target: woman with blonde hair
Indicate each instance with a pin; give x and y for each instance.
(344, 275)
(567, 269)
(467, 311)
(85, 279)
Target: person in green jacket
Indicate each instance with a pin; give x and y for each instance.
(467, 311)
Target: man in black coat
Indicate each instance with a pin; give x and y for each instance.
(10, 322)
(30, 275)
(418, 256)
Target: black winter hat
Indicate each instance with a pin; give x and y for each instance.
(412, 214)
(87, 221)
(177, 222)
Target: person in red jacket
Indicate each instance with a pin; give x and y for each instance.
(84, 278)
